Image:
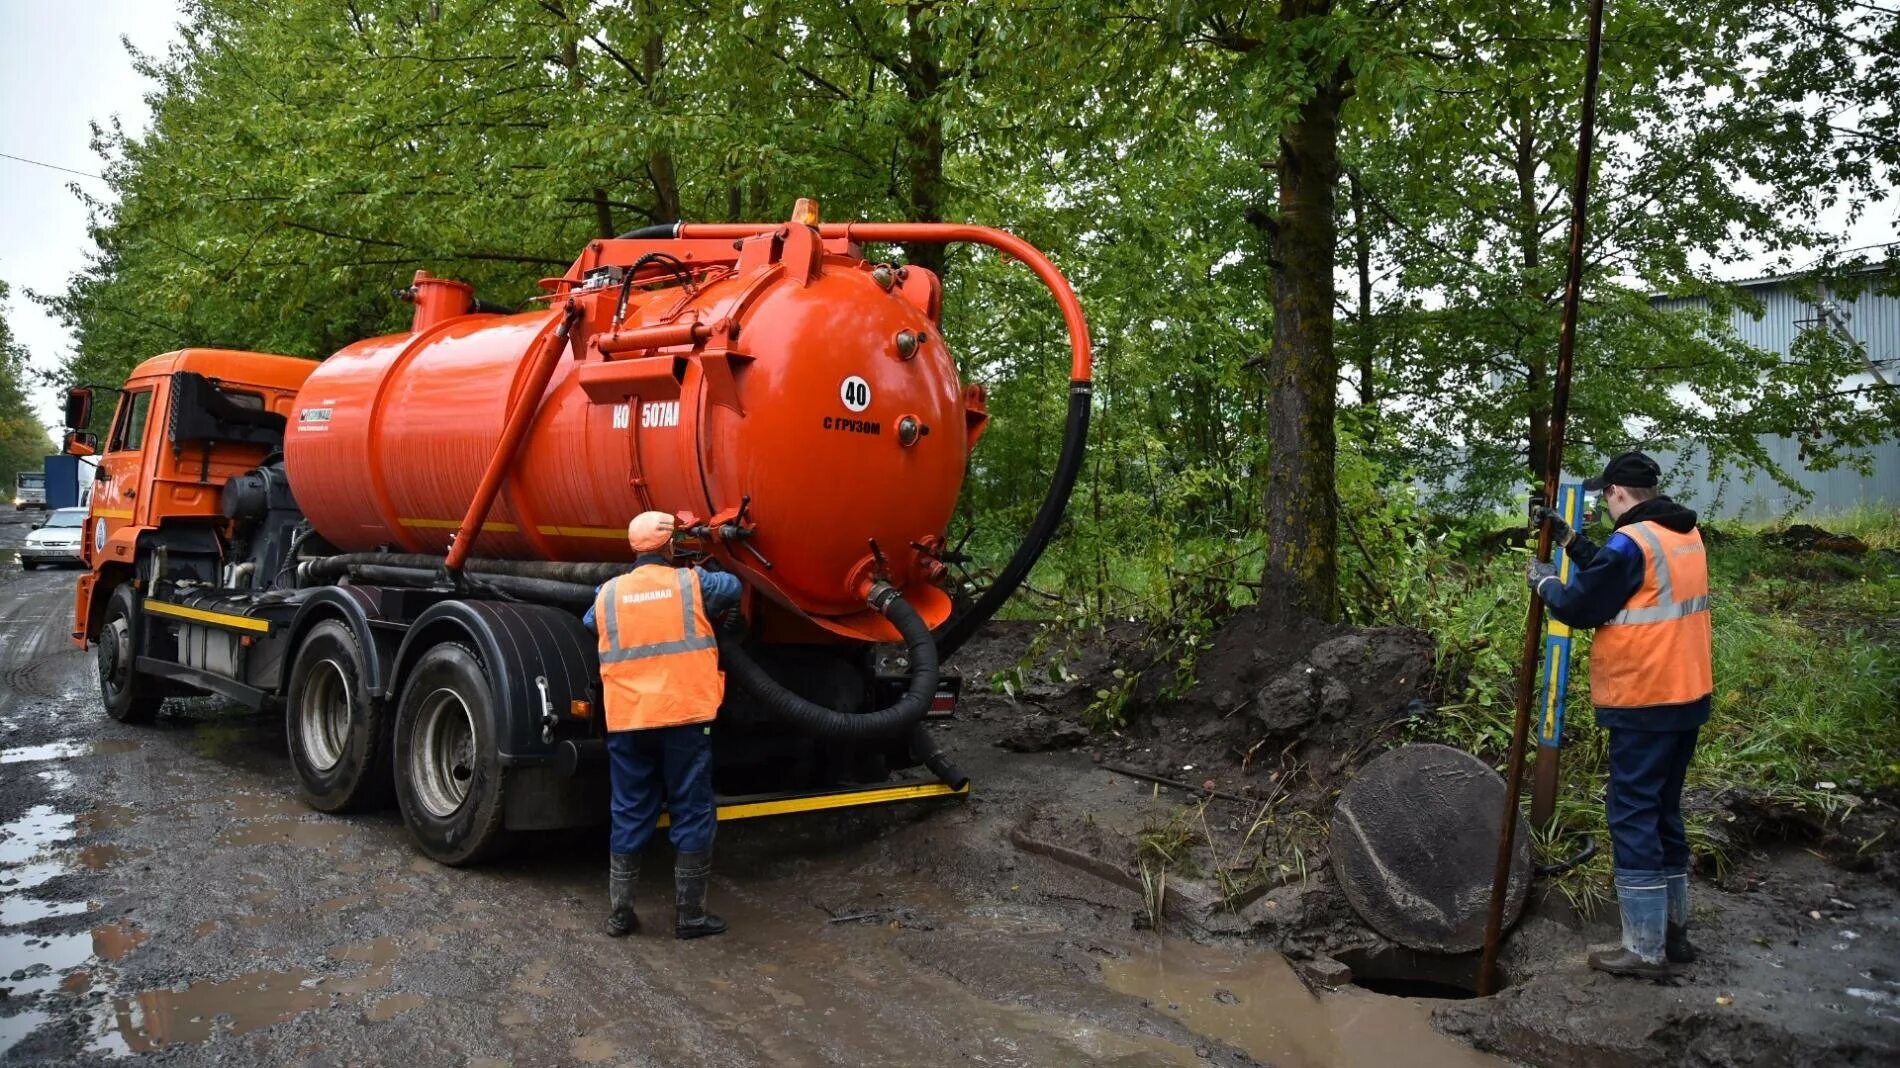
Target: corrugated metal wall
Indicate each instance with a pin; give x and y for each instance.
(1874, 321)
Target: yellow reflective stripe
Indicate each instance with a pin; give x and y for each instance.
(884, 795)
(611, 533)
(113, 513)
(199, 615)
(616, 533)
(456, 524)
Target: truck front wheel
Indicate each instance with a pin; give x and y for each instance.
(129, 695)
(338, 744)
(449, 779)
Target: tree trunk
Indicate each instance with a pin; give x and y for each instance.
(923, 139)
(666, 186)
(1536, 361)
(1362, 253)
(1300, 583)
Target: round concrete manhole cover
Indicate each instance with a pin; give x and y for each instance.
(1415, 839)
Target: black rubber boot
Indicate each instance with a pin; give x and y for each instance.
(691, 872)
(623, 869)
(1620, 961)
(1676, 945)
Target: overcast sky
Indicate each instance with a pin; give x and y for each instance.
(66, 68)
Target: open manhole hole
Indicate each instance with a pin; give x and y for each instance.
(1407, 973)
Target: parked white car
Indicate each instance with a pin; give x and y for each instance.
(57, 542)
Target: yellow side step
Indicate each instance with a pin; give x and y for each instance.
(745, 808)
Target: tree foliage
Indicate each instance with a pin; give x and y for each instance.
(1230, 185)
(24, 441)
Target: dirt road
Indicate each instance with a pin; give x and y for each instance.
(163, 889)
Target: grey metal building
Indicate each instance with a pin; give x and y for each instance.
(1868, 320)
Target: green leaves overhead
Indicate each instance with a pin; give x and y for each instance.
(308, 156)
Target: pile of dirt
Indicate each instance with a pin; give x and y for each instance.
(1805, 538)
(1319, 701)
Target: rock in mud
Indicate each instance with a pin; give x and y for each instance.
(1347, 688)
(1414, 841)
(1044, 735)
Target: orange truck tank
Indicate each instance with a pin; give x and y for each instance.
(821, 398)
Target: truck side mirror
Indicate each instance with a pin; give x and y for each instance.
(79, 408)
(81, 443)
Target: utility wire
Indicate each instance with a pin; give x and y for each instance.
(50, 166)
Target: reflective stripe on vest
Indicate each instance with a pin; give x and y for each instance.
(1657, 650)
(615, 653)
(1666, 606)
(659, 666)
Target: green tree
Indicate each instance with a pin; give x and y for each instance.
(24, 441)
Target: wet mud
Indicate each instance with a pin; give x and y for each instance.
(166, 895)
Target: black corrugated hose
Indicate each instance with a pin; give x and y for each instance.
(899, 718)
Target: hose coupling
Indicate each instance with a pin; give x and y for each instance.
(882, 594)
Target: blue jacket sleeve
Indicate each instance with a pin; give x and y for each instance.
(588, 619)
(719, 588)
(1599, 589)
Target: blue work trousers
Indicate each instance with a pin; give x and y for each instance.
(1645, 799)
(671, 764)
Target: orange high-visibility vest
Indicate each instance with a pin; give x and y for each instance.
(659, 661)
(1657, 650)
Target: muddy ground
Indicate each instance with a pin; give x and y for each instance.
(164, 894)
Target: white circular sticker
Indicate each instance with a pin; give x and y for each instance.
(855, 393)
(98, 534)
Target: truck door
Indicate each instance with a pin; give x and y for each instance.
(115, 497)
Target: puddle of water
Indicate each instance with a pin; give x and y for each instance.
(102, 856)
(376, 951)
(156, 1019)
(43, 958)
(112, 941)
(1257, 1004)
(50, 751)
(28, 876)
(15, 1028)
(338, 904)
(286, 832)
(107, 818)
(16, 911)
(394, 1005)
(23, 838)
(66, 750)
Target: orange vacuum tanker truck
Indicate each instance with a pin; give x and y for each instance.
(395, 545)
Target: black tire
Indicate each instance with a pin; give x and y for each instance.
(449, 780)
(339, 738)
(130, 696)
(29, 565)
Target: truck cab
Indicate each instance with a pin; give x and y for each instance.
(185, 423)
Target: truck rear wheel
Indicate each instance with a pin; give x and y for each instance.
(338, 744)
(449, 779)
(129, 695)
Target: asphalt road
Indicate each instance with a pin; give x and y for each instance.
(163, 892)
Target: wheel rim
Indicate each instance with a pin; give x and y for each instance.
(115, 668)
(323, 715)
(442, 753)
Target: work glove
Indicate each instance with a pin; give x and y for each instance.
(1560, 533)
(1536, 571)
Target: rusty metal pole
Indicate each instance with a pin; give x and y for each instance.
(1553, 466)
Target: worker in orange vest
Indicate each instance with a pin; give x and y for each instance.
(1646, 591)
(659, 674)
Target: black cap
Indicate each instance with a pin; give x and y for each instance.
(1626, 469)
